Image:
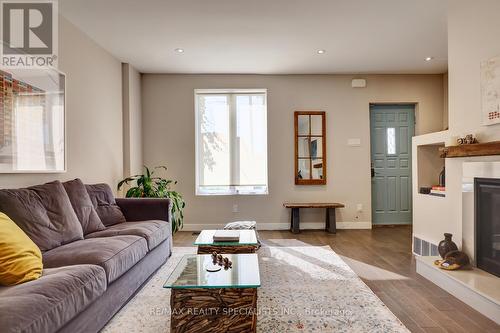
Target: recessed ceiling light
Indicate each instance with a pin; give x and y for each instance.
(429, 58)
(321, 51)
(179, 50)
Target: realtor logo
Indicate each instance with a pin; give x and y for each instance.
(29, 34)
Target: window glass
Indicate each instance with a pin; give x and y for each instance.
(391, 140)
(231, 145)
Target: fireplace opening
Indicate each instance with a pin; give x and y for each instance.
(487, 224)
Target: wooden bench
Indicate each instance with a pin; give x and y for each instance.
(330, 220)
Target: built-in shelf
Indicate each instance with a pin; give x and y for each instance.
(429, 164)
(433, 195)
(431, 216)
(477, 149)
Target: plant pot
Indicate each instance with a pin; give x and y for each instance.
(446, 245)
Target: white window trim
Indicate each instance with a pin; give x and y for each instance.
(234, 190)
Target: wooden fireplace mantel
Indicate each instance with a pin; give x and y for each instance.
(477, 149)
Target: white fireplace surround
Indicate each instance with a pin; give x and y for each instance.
(475, 287)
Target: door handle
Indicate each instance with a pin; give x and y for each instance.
(374, 173)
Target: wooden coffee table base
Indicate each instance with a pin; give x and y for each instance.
(214, 310)
(208, 249)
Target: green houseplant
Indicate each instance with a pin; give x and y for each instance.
(149, 186)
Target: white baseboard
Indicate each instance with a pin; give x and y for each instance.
(283, 226)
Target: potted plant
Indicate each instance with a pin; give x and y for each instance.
(149, 186)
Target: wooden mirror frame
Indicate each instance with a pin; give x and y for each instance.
(310, 181)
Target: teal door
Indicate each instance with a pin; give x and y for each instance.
(392, 127)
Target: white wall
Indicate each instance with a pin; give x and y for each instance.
(473, 37)
(93, 113)
(168, 138)
(132, 121)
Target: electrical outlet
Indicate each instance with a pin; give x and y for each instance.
(235, 208)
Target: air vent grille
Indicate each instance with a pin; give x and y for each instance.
(424, 248)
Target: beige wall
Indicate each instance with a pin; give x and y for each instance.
(168, 134)
(132, 121)
(93, 113)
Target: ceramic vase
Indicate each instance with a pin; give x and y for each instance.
(446, 245)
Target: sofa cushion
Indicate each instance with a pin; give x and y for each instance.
(44, 213)
(154, 232)
(115, 254)
(46, 304)
(84, 209)
(104, 203)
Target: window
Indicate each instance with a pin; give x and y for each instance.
(391, 141)
(231, 142)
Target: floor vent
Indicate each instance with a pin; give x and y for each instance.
(424, 248)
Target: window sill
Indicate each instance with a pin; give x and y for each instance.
(218, 194)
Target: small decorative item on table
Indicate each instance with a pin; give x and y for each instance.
(247, 243)
(218, 261)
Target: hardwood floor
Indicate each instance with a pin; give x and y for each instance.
(382, 258)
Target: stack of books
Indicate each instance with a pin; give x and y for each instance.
(227, 236)
(439, 191)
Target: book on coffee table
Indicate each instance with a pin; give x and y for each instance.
(227, 236)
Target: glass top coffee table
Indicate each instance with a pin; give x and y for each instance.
(203, 301)
(248, 243)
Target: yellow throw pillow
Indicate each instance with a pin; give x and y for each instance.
(20, 258)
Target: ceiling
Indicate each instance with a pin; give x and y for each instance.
(268, 36)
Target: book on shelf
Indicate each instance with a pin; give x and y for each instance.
(437, 192)
(439, 188)
(227, 236)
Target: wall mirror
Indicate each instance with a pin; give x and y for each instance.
(310, 148)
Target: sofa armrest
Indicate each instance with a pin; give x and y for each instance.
(142, 209)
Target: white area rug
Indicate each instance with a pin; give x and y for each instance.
(304, 289)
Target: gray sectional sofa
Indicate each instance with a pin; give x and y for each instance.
(97, 252)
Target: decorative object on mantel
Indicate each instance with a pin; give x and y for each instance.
(446, 245)
(478, 149)
(453, 260)
(469, 139)
(490, 91)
